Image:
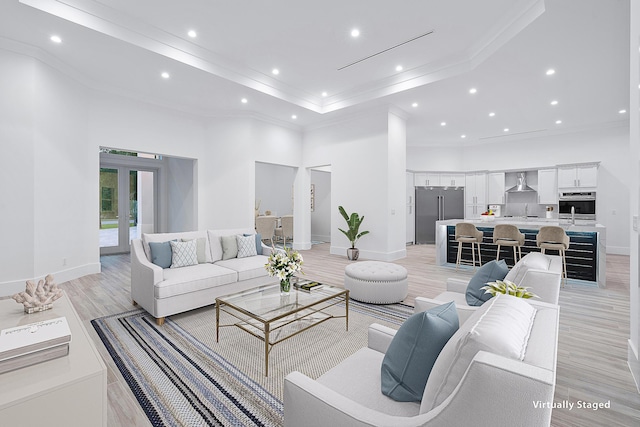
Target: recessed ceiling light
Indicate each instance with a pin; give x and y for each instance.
(443, 123)
(463, 136)
(622, 111)
(293, 116)
(554, 102)
(165, 75)
(506, 129)
(55, 39)
(399, 68)
(275, 71)
(324, 93)
(558, 122)
(550, 72)
(473, 90)
(414, 105)
(192, 34)
(492, 114)
(244, 100)
(355, 32)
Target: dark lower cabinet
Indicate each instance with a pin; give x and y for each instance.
(582, 255)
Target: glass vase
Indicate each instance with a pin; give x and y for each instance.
(285, 286)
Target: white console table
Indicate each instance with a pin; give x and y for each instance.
(68, 391)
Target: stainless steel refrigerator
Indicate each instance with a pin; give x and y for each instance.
(434, 204)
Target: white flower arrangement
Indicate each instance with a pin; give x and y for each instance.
(284, 263)
(509, 288)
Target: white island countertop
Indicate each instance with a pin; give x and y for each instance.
(533, 223)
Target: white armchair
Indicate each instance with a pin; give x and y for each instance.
(493, 390)
(544, 279)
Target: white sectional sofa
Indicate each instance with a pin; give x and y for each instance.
(166, 291)
(498, 369)
(541, 273)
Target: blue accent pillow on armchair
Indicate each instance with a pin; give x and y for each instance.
(490, 272)
(413, 351)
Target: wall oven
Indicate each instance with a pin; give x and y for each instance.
(584, 204)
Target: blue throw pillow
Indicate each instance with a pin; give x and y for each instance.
(258, 242)
(490, 272)
(413, 351)
(161, 254)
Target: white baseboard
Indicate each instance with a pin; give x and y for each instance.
(618, 250)
(301, 246)
(15, 286)
(634, 363)
(320, 238)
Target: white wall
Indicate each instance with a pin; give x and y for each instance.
(181, 195)
(358, 151)
(321, 216)
(634, 194)
(609, 146)
(49, 194)
(17, 170)
(227, 172)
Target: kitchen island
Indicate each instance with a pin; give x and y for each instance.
(586, 256)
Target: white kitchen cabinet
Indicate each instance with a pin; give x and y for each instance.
(437, 179)
(496, 188)
(419, 179)
(547, 187)
(578, 176)
(452, 179)
(427, 179)
(475, 194)
(433, 179)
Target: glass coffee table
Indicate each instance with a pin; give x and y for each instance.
(271, 317)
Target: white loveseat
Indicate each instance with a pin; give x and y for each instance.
(475, 380)
(166, 291)
(541, 273)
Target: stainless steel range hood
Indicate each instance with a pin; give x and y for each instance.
(521, 186)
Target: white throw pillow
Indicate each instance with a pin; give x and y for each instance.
(183, 254)
(531, 261)
(246, 246)
(502, 326)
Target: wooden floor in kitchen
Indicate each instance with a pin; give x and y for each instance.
(592, 354)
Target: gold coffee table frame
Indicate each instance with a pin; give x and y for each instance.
(271, 317)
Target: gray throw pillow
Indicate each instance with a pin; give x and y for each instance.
(229, 247)
(490, 272)
(161, 254)
(413, 351)
(201, 249)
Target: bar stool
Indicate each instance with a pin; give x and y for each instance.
(508, 235)
(468, 233)
(554, 238)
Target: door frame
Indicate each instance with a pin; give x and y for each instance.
(124, 165)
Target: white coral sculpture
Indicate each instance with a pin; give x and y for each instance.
(46, 292)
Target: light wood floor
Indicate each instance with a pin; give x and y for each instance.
(594, 328)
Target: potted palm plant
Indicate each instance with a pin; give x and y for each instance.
(353, 233)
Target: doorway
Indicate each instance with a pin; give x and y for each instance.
(128, 202)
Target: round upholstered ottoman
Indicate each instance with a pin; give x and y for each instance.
(376, 282)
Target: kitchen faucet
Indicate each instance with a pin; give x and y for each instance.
(573, 215)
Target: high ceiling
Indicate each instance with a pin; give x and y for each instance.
(502, 48)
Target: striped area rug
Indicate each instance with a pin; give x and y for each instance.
(181, 376)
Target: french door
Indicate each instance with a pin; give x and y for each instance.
(128, 206)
